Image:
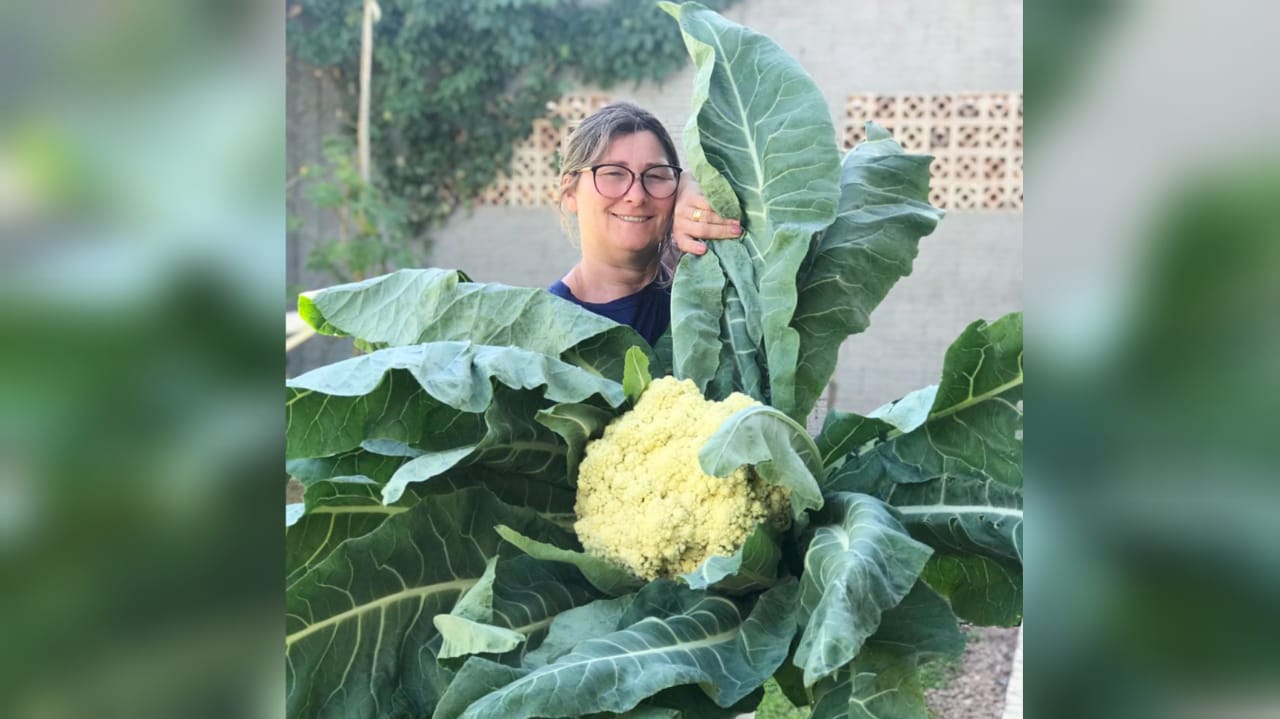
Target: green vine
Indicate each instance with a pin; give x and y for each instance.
(457, 83)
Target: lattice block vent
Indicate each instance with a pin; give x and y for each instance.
(533, 179)
(975, 138)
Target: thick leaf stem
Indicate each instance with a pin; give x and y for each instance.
(417, 593)
(360, 509)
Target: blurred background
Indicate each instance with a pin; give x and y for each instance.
(141, 265)
(151, 182)
(1153, 281)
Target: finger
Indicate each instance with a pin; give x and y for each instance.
(706, 229)
(727, 230)
(690, 245)
(704, 215)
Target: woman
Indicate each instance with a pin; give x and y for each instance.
(636, 211)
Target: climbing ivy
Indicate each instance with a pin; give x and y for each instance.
(457, 83)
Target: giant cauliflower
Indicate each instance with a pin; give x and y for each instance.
(643, 500)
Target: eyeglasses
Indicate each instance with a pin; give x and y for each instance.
(614, 181)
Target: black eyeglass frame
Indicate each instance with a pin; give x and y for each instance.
(595, 182)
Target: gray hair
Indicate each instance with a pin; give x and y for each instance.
(589, 141)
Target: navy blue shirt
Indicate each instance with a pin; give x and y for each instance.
(648, 311)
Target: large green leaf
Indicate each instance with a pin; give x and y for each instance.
(877, 685)
(398, 409)
(467, 629)
(650, 712)
(954, 515)
(683, 637)
(883, 212)
(357, 464)
(413, 306)
(922, 624)
(844, 432)
(882, 681)
(512, 443)
(480, 676)
(973, 429)
(548, 496)
(334, 511)
(577, 424)
(476, 603)
(781, 450)
(577, 625)
(358, 632)
(420, 395)
(743, 364)
(635, 376)
(687, 702)
(982, 590)
(860, 563)
(761, 144)
(514, 605)
(474, 680)
(530, 594)
(752, 568)
(696, 307)
(426, 466)
(552, 501)
(604, 575)
(663, 359)
(380, 309)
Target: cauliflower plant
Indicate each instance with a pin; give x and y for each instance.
(643, 500)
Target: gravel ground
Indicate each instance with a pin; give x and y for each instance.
(977, 688)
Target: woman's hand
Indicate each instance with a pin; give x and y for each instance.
(694, 221)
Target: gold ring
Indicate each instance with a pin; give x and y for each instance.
(697, 214)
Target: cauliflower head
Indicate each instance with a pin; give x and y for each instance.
(643, 500)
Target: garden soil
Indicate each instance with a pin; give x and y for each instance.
(981, 683)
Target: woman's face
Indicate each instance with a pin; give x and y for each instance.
(631, 224)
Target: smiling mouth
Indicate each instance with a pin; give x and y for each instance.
(632, 218)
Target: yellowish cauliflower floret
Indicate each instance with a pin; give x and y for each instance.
(643, 500)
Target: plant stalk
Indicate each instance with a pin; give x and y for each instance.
(371, 14)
